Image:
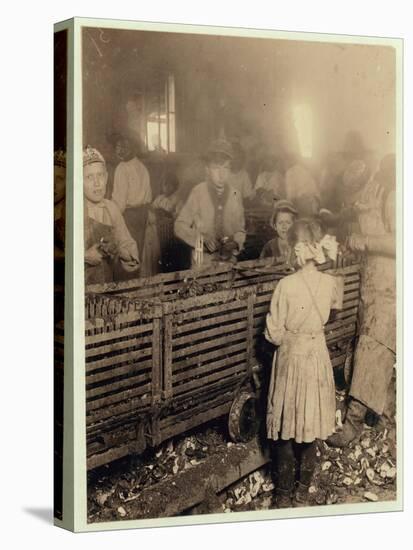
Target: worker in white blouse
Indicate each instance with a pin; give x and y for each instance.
(132, 190)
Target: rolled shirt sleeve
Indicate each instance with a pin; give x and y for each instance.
(276, 318)
(126, 244)
(184, 226)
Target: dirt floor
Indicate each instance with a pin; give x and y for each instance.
(365, 471)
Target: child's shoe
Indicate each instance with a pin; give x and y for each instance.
(301, 495)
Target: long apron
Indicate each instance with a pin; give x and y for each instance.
(95, 232)
(376, 348)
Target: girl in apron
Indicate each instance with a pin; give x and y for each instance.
(301, 400)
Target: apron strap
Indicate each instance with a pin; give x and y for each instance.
(313, 300)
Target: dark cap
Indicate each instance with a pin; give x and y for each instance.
(282, 206)
(220, 147)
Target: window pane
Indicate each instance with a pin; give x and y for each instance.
(172, 144)
(160, 115)
(171, 91)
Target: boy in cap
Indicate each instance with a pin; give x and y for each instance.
(214, 210)
(107, 240)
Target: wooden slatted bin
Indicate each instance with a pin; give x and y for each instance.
(161, 360)
(206, 356)
(123, 370)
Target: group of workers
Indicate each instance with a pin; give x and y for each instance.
(121, 241)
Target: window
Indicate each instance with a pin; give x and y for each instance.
(160, 117)
(151, 114)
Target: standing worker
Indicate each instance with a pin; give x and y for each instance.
(132, 191)
(375, 354)
(213, 214)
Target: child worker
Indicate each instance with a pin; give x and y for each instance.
(282, 219)
(109, 247)
(301, 400)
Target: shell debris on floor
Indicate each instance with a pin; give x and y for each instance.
(365, 471)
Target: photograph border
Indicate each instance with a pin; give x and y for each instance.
(75, 472)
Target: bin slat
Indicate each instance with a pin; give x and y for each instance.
(194, 360)
(224, 340)
(113, 372)
(209, 333)
(180, 375)
(123, 396)
(115, 360)
(115, 333)
(119, 384)
(238, 369)
(181, 328)
(127, 344)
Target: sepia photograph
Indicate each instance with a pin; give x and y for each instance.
(240, 310)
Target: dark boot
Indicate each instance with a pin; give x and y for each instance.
(352, 427)
(308, 460)
(283, 498)
(301, 495)
(285, 473)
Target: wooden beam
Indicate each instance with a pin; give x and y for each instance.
(185, 490)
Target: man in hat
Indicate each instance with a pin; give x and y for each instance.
(375, 356)
(214, 211)
(108, 244)
(353, 185)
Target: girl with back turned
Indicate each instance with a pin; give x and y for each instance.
(301, 400)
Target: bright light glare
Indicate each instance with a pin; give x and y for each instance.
(303, 122)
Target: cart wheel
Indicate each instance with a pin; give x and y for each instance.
(243, 419)
(348, 363)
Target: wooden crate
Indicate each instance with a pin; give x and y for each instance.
(171, 364)
(123, 368)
